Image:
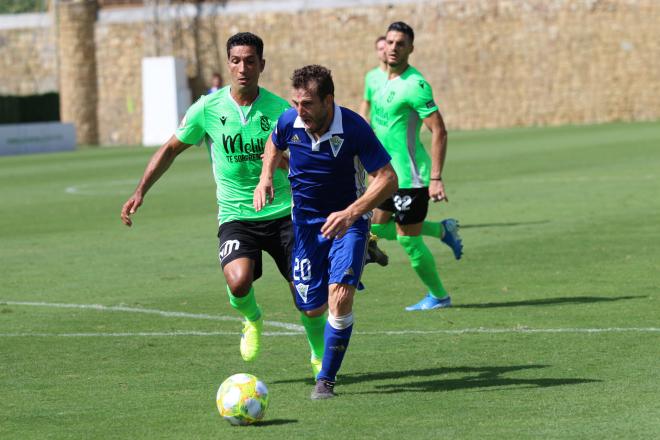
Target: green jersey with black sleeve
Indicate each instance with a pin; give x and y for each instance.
(397, 111)
(235, 137)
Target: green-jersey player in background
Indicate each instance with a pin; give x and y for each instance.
(398, 108)
(236, 121)
(374, 78)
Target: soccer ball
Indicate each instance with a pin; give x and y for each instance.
(242, 399)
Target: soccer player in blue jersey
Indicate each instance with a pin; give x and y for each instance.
(331, 149)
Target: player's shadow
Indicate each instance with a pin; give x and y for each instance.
(547, 301)
(274, 422)
(483, 378)
(477, 378)
(502, 224)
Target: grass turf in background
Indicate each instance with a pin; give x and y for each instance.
(560, 227)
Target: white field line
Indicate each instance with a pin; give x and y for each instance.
(368, 333)
(137, 334)
(295, 330)
(292, 327)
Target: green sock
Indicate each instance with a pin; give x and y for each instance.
(386, 231)
(432, 229)
(246, 305)
(314, 328)
(422, 261)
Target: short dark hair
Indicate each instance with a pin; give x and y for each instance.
(399, 26)
(321, 77)
(379, 39)
(246, 39)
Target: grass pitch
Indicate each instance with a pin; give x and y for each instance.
(555, 331)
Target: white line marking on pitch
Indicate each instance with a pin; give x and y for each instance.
(367, 333)
(294, 327)
(134, 334)
(295, 330)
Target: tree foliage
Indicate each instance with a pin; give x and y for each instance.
(20, 6)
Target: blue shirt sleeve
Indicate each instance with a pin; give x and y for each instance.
(281, 133)
(371, 152)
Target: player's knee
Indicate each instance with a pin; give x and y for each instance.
(239, 279)
(316, 312)
(239, 282)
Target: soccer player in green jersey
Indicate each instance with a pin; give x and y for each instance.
(236, 121)
(398, 108)
(374, 78)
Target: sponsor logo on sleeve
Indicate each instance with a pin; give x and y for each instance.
(430, 104)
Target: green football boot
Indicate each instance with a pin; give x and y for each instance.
(316, 365)
(251, 339)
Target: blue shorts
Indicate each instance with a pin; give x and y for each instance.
(318, 262)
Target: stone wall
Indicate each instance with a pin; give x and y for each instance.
(492, 63)
(28, 55)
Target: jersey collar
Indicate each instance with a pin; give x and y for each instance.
(337, 127)
(243, 116)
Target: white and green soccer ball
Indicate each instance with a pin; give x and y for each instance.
(242, 399)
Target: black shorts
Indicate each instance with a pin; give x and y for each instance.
(248, 238)
(409, 205)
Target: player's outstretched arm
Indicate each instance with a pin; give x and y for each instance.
(265, 192)
(158, 164)
(383, 184)
(436, 125)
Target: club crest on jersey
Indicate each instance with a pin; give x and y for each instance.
(302, 291)
(336, 142)
(265, 123)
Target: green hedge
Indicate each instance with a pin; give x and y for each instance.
(19, 6)
(33, 108)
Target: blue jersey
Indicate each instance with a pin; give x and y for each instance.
(329, 174)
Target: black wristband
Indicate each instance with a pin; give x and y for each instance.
(436, 178)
